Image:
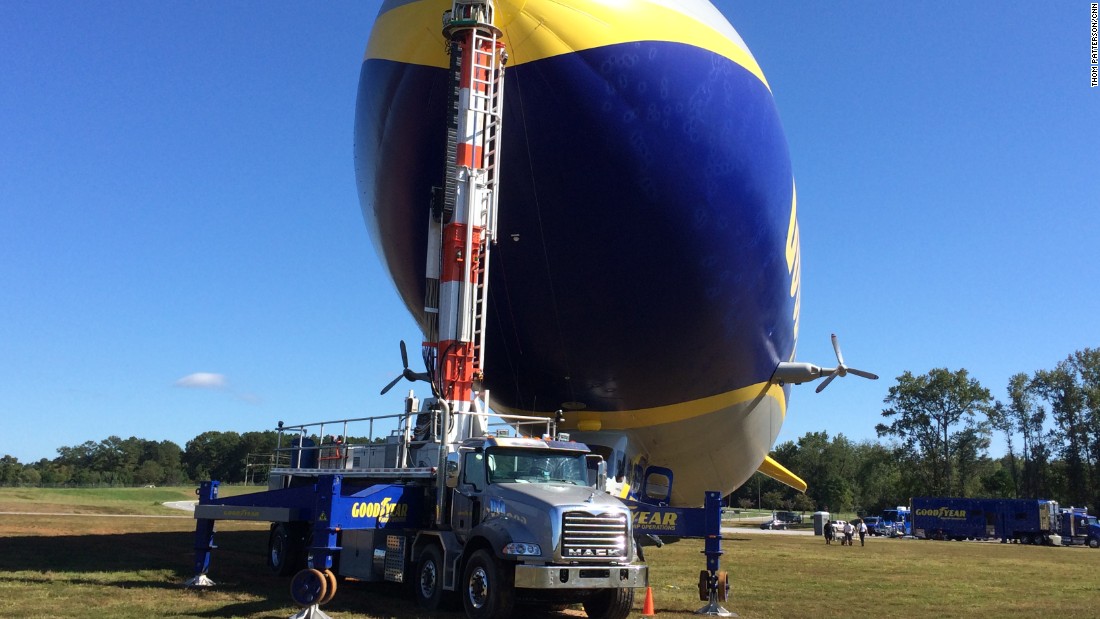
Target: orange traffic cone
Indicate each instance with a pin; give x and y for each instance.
(647, 607)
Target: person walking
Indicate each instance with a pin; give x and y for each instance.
(828, 532)
(848, 531)
(862, 531)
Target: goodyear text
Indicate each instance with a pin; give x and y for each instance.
(943, 512)
(384, 510)
(655, 520)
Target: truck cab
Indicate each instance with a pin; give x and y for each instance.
(1079, 527)
(530, 519)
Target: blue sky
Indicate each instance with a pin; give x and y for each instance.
(181, 246)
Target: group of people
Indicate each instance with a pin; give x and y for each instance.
(845, 532)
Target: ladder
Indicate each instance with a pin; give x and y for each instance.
(488, 74)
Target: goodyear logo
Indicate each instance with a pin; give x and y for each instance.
(655, 520)
(243, 512)
(794, 259)
(943, 512)
(384, 510)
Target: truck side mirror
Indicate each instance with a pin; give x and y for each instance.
(597, 471)
(451, 470)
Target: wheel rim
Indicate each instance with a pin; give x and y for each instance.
(427, 580)
(478, 587)
(277, 551)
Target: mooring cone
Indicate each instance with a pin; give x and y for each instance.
(647, 607)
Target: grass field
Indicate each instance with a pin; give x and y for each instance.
(99, 565)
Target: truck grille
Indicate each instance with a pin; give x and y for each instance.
(588, 536)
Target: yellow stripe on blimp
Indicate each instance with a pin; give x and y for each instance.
(649, 417)
(538, 29)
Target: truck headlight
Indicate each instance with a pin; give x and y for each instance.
(522, 549)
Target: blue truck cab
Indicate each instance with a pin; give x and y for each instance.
(897, 522)
(1079, 527)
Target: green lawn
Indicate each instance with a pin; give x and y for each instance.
(91, 566)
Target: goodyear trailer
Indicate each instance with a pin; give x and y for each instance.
(1027, 521)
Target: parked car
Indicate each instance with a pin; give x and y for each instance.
(774, 524)
(789, 517)
(875, 525)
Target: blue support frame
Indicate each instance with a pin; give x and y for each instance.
(323, 503)
(690, 523)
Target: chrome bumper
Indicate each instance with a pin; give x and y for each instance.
(581, 576)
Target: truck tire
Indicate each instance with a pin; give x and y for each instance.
(427, 581)
(610, 604)
(487, 587)
(285, 547)
(1094, 542)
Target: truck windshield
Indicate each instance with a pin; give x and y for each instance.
(536, 467)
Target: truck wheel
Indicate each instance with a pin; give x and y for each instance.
(1094, 542)
(723, 586)
(487, 587)
(284, 549)
(610, 604)
(308, 587)
(428, 580)
(330, 579)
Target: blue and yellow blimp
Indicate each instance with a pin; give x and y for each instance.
(646, 281)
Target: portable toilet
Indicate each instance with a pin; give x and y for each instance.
(820, 518)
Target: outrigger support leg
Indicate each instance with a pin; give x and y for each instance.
(311, 612)
(204, 538)
(716, 583)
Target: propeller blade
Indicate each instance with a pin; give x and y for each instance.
(863, 374)
(392, 383)
(836, 349)
(825, 383)
(404, 356)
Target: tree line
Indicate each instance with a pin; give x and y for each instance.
(934, 441)
(139, 462)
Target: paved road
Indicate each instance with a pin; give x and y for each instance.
(758, 531)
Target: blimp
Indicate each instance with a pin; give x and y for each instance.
(644, 286)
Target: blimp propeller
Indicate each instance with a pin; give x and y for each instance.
(797, 373)
(406, 373)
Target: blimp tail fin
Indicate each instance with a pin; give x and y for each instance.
(779, 473)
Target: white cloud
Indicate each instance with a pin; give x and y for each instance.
(203, 380)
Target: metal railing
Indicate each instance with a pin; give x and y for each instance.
(339, 443)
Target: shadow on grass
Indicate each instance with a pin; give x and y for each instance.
(109, 561)
(118, 560)
(122, 552)
(237, 565)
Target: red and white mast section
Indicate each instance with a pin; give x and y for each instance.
(463, 222)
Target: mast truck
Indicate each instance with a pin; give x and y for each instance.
(503, 517)
(441, 503)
